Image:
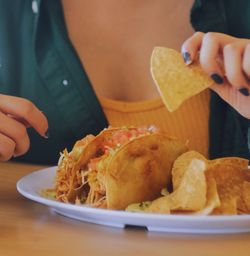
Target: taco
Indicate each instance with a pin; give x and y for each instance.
(118, 167)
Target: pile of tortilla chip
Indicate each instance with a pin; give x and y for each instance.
(205, 187)
(175, 81)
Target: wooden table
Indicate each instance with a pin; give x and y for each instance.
(29, 228)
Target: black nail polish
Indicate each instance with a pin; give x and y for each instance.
(186, 57)
(244, 91)
(46, 135)
(217, 78)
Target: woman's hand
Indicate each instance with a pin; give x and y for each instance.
(16, 115)
(227, 60)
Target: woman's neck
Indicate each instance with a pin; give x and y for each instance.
(120, 19)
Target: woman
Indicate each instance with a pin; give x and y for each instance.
(86, 65)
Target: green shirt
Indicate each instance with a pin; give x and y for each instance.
(38, 62)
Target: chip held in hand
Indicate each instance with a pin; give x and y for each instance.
(175, 81)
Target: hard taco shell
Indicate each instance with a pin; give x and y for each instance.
(140, 169)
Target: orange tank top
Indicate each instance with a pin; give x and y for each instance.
(188, 123)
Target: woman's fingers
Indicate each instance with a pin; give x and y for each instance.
(209, 47)
(215, 51)
(233, 54)
(246, 62)
(227, 60)
(16, 114)
(20, 120)
(209, 57)
(16, 132)
(24, 109)
(7, 147)
(191, 47)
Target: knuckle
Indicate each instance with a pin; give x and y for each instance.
(28, 108)
(230, 48)
(189, 42)
(204, 61)
(198, 33)
(26, 146)
(22, 143)
(210, 36)
(5, 157)
(246, 68)
(6, 150)
(248, 47)
(20, 131)
(22, 150)
(246, 61)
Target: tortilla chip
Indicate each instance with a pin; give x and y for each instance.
(229, 178)
(246, 195)
(213, 200)
(225, 178)
(180, 165)
(241, 163)
(175, 80)
(228, 206)
(190, 195)
(140, 169)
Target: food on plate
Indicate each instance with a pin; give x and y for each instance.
(175, 81)
(230, 175)
(140, 169)
(117, 167)
(200, 186)
(246, 194)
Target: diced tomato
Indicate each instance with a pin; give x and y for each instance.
(122, 136)
(119, 138)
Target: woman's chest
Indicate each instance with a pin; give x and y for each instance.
(115, 49)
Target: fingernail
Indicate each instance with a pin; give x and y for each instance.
(244, 91)
(186, 57)
(46, 135)
(217, 78)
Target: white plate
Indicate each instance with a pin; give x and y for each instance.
(31, 185)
